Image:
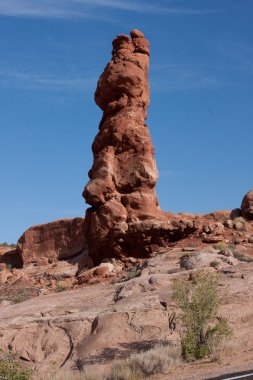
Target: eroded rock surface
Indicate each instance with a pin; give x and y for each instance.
(247, 205)
(125, 216)
(10, 256)
(97, 324)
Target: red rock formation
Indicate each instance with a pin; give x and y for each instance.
(124, 172)
(125, 218)
(247, 205)
(46, 243)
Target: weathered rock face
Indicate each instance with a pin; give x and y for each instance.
(45, 243)
(247, 205)
(125, 212)
(124, 172)
(10, 256)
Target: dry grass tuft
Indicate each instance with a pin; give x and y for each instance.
(71, 375)
(122, 371)
(159, 359)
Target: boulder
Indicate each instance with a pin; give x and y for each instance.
(247, 205)
(46, 243)
(11, 257)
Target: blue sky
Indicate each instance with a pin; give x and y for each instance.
(200, 116)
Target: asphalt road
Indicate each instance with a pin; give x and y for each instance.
(246, 375)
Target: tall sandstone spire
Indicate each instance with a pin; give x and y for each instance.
(122, 182)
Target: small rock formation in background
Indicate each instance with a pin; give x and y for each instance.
(247, 205)
(46, 243)
(125, 218)
(10, 256)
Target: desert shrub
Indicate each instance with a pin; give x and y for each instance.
(21, 296)
(9, 266)
(239, 224)
(191, 245)
(141, 365)
(241, 257)
(11, 369)
(221, 245)
(133, 272)
(217, 335)
(199, 301)
(239, 219)
(117, 293)
(60, 288)
(209, 216)
(158, 359)
(214, 264)
(183, 259)
(123, 371)
(4, 244)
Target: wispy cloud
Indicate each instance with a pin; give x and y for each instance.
(86, 8)
(234, 61)
(165, 78)
(173, 77)
(18, 78)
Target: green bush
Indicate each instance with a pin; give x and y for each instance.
(199, 302)
(10, 369)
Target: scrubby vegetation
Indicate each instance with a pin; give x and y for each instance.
(70, 375)
(199, 302)
(21, 296)
(221, 245)
(139, 366)
(122, 371)
(241, 257)
(11, 369)
(5, 244)
(159, 359)
(133, 272)
(60, 288)
(214, 264)
(239, 219)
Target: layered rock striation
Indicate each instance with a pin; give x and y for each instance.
(125, 217)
